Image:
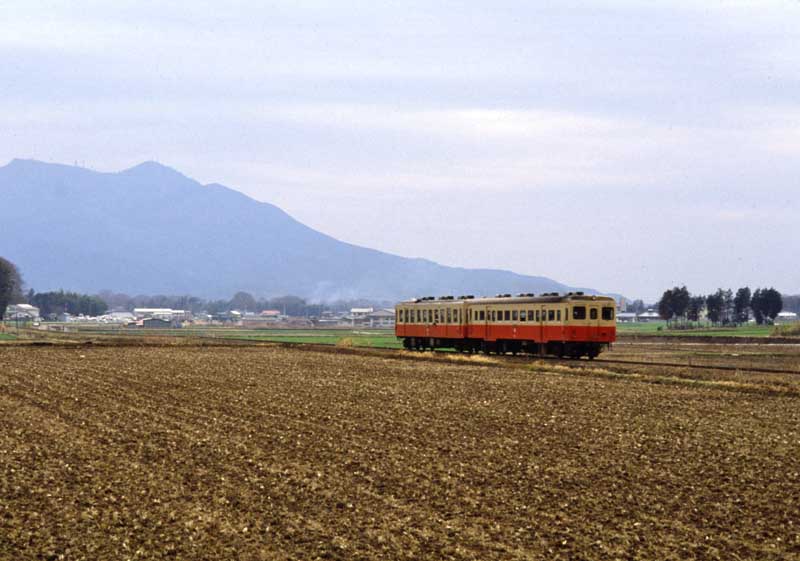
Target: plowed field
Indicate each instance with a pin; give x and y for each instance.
(274, 453)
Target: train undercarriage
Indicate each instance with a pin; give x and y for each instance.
(561, 349)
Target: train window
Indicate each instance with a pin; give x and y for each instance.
(558, 315)
(401, 316)
(608, 314)
(523, 315)
(579, 312)
(551, 315)
(449, 316)
(482, 316)
(507, 315)
(593, 313)
(514, 316)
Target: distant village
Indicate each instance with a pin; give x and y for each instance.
(370, 317)
(172, 319)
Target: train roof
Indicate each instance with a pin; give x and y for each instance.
(508, 299)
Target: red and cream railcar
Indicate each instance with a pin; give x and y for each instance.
(573, 324)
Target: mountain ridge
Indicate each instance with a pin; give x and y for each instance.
(151, 229)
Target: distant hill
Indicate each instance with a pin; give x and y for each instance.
(152, 230)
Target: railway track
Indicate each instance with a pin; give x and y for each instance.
(436, 356)
(521, 359)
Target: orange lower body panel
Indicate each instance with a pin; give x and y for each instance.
(493, 332)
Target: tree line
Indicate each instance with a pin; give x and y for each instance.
(52, 304)
(724, 307)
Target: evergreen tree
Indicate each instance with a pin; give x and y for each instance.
(665, 307)
(741, 305)
(10, 285)
(696, 306)
(714, 306)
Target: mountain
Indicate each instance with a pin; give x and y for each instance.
(152, 230)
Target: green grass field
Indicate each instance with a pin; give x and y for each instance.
(356, 337)
(660, 328)
(378, 338)
(7, 336)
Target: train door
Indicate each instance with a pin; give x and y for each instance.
(542, 313)
(594, 321)
(514, 322)
(428, 317)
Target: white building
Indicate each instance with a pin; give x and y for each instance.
(649, 315)
(381, 318)
(786, 317)
(627, 317)
(24, 312)
(162, 313)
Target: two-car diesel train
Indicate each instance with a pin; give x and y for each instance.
(572, 324)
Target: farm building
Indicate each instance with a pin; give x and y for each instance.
(649, 315)
(162, 313)
(786, 317)
(156, 323)
(267, 318)
(22, 312)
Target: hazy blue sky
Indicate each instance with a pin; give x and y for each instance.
(626, 146)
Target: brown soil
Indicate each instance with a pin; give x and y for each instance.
(275, 453)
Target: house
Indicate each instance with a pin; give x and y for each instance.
(627, 317)
(380, 318)
(22, 312)
(264, 320)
